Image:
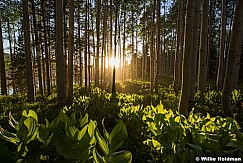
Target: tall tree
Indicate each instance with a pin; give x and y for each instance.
(220, 75)
(176, 61)
(60, 64)
(47, 59)
(238, 61)
(37, 47)
(2, 64)
(27, 45)
(202, 69)
(195, 49)
(187, 55)
(97, 65)
(70, 53)
(152, 51)
(231, 59)
(158, 72)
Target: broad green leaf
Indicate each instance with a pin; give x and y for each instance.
(20, 151)
(71, 149)
(235, 145)
(73, 119)
(102, 143)
(185, 156)
(34, 152)
(30, 123)
(160, 108)
(197, 148)
(193, 155)
(106, 134)
(117, 136)
(43, 133)
(65, 147)
(70, 130)
(5, 154)
(8, 136)
(33, 114)
(82, 132)
(97, 157)
(121, 157)
(83, 121)
(13, 122)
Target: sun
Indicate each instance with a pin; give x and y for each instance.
(114, 62)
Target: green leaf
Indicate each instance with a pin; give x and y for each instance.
(8, 136)
(197, 148)
(83, 121)
(106, 134)
(185, 156)
(30, 123)
(70, 130)
(12, 122)
(33, 114)
(160, 108)
(102, 143)
(73, 119)
(117, 136)
(235, 145)
(43, 133)
(34, 152)
(5, 154)
(121, 157)
(97, 157)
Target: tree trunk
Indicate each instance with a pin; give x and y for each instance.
(11, 56)
(2, 64)
(115, 45)
(37, 46)
(187, 55)
(231, 59)
(80, 49)
(47, 59)
(97, 65)
(28, 61)
(86, 48)
(195, 49)
(158, 72)
(70, 53)
(237, 59)
(124, 45)
(177, 55)
(220, 75)
(60, 64)
(152, 52)
(103, 68)
(202, 70)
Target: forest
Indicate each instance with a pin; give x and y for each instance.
(121, 81)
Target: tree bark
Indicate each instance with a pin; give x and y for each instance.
(152, 52)
(37, 46)
(97, 65)
(70, 53)
(47, 59)
(195, 49)
(202, 70)
(220, 75)
(158, 72)
(231, 60)
(26, 25)
(2, 64)
(60, 64)
(186, 62)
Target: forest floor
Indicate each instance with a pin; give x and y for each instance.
(129, 125)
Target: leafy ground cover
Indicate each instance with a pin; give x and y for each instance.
(150, 128)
